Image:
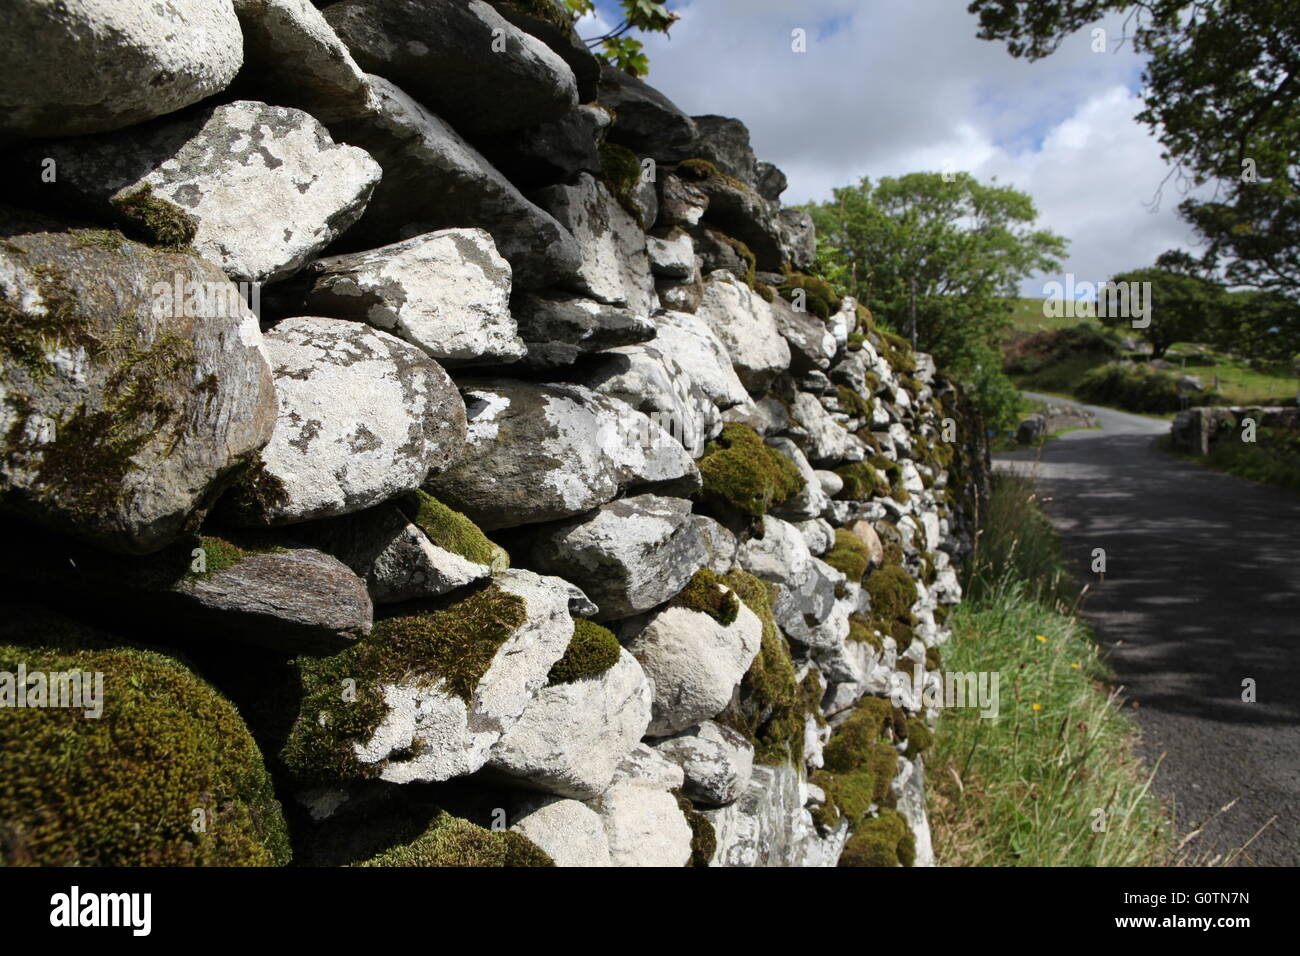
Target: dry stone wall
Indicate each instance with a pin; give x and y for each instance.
(431, 440)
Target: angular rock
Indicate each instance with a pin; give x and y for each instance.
(725, 143)
(738, 211)
(682, 204)
(781, 555)
(291, 600)
(430, 734)
(719, 544)
(817, 534)
(770, 181)
(823, 440)
(364, 417)
(811, 345)
(394, 556)
(446, 53)
(629, 556)
(646, 767)
(265, 186)
(545, 452)
(124, 409)
(433, 180)
(695, 663)
(294, 57)
(553, 29)
(614, 266)
(673, 256)
(690, 341)
(768, 826)
(569, 832)
(644, 827)
(557, 329)
(550, 152)
(446, 292)
(810, 501)
(101, 65)
(648, 123)
(572, 736)
(743, 323)
(798, 237)
(683, 296)
(716, 760)
(655, 384)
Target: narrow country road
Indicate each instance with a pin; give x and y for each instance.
(1201, 592)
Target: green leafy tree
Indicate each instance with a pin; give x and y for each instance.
(1259, 325)
(616, 47)
(1183, 304)
(964, 246)
(1222, 94)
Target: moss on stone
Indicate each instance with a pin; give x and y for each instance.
(453, 531)
(705, 594)
(862, 482)
(853, 404)
(765, 292)
(451, 841)
(819, 296)
(860, 761)
(450, 648)
(704, 838)
(621, 172)
(592, 650)
(157, 221)
(850, 555)
(129, 787)
(255, 492)
(863, 631)
(741, 472)
(743, 251)
(919, 737)
(892, 593)
(769, 707)
(701, 170)
(897, 352)
(885, 840)
(543, 10)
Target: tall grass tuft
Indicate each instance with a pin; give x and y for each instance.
(1053, 779)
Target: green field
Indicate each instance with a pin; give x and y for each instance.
(1028, 317)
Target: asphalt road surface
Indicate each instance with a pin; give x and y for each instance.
(1201, 592)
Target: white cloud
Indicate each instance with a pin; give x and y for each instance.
(891, 88)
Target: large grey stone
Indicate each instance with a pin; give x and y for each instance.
(433, 179)
(464, 59)
(544, 452)
(692, 344)
(644, 827)
(123, 408)
(648, 123)
(99, 65)
(743, 323)
(364, 417)
(569, 832)
(558, 329)
(447, 292)
(266, 186)
(717, 762)
(572, 736)
(629, 556)
(725, 143)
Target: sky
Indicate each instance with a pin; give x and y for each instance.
(888, 87)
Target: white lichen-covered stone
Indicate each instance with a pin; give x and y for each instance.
(629, 556)
(716, 761)
(820, 436)
(695, 663)
(447, 292)
(644, 827)
(266, 185)
(810, 501)
(451, 737)
(768, 826)
(545, 452)
(646, 767)
(572, 736)
(689, 341)
(744, 325)
(91, 66)
(569, 832)
(673, 256)
(615, 267)
(364, 417)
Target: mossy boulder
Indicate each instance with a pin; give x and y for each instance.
(166, 775)
(850, 555)
(451, 841)
(453, 531)
(125, 404)
(742, 473)
(706, 594)
(884, 840)
(592, 650)
(893, 592)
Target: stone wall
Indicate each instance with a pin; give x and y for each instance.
(430, 438)
(1197, 430)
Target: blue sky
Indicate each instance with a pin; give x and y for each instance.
(888, 87)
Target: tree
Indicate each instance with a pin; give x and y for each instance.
(963, 245)
(614, 46)
(1260, 326)
(1183, 305)
(1222, 94)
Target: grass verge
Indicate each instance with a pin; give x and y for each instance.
(1053, 779)
(1273, 459)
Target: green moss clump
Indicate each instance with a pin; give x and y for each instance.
(874, 719)
(769, 708)
(704, 593)
(453, 531)
(451, 841)
(621, 172)
(543, 10)
(765, 292)
(129, 787)
(862, 631)
(157, 221)
(819, 296)
(741, 472)
(853, 404)
(893, 473)
(866, 321)
(701, 170)
(919, 737)
(885, 840)
(592, 650)
(743, 251)
(450, 647)
(897, 352)
(892, 592)
(862, 482)
(850, 555)
(704, 838)
(860, 761)
(855, 341)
